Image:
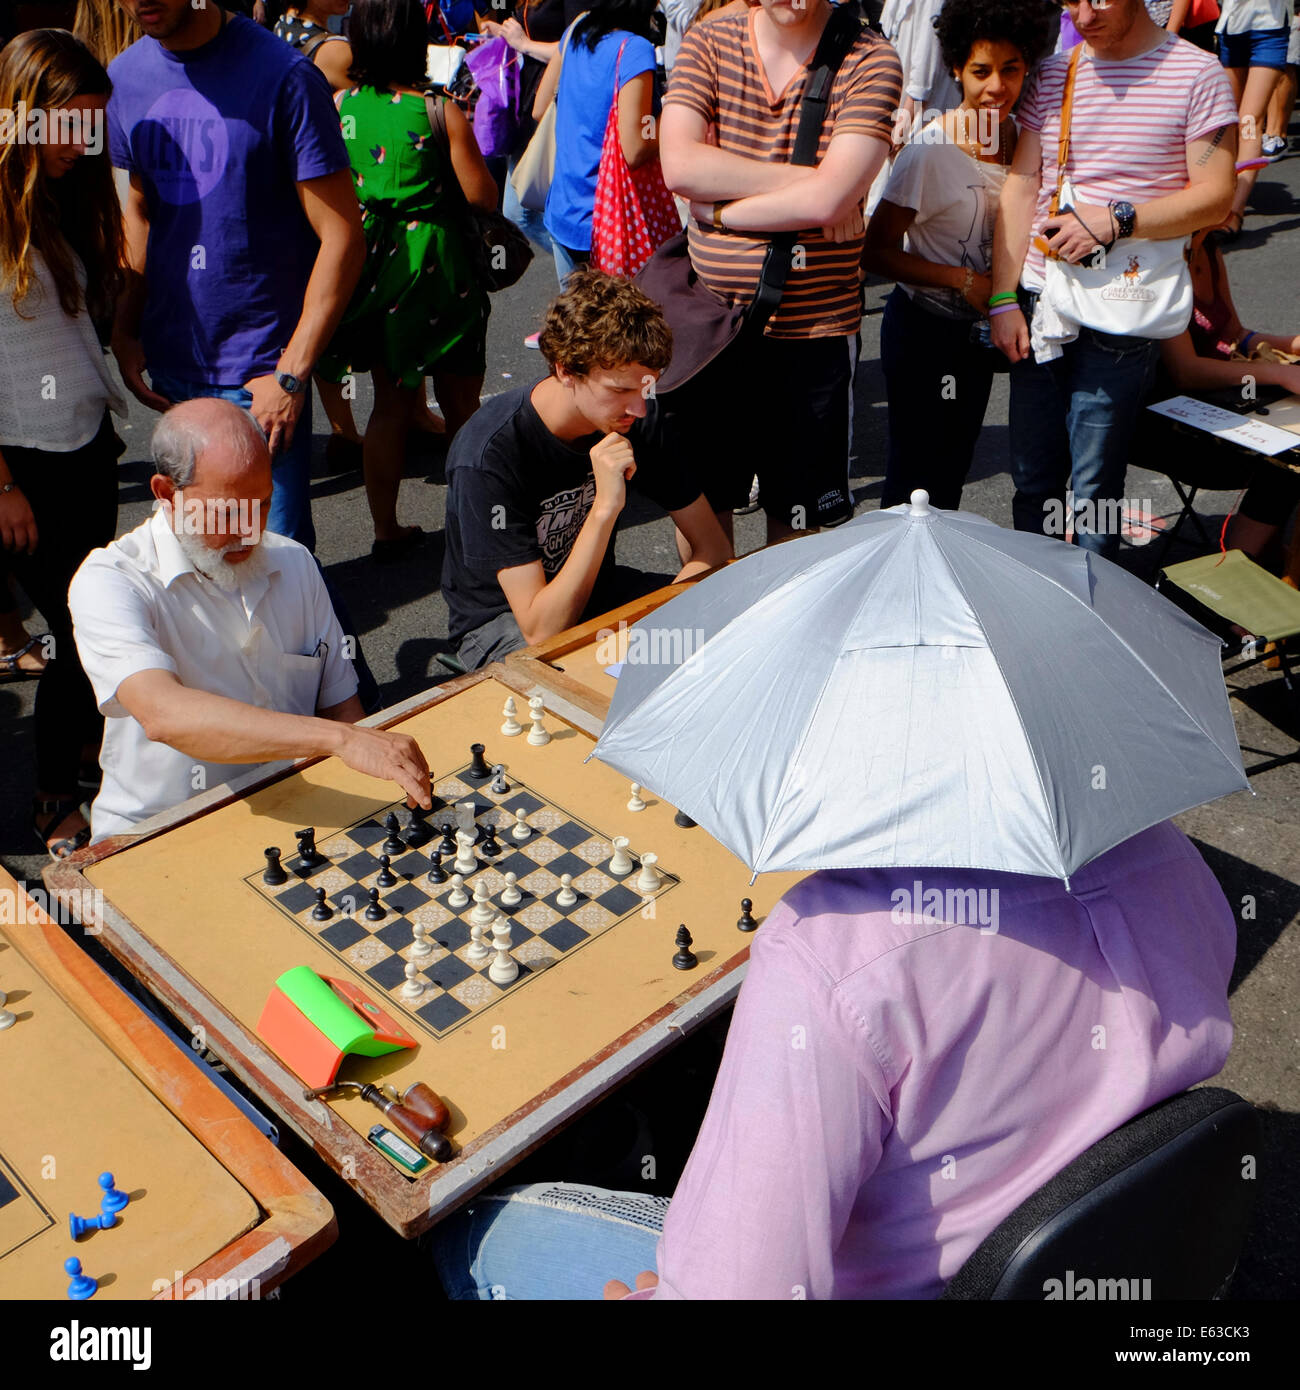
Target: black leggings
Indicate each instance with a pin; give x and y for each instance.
(73, 497)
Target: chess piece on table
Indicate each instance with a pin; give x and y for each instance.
(274, 874)
(309, 857)
(465, 863)
(112, 1201)
(684, 959)
(374, 909)
(393, 844)
(521, 830)
(621, 863)
(510, 895)
(82, 1285)
(387, 878)
(322, 912)
(747, 922)
(538, 735)
(446, 845)
(417, 831)
(421, 946)
(499, 786)
(478, 770)
(478, 950)
(634, 802)
(490, 846)
(437, 874)
(7, 1019)
(503, 968)
(682, 819)
(483, 912)
(414, 986)
(512, 726)
(566, 897)
(459, 897)
(648, 880)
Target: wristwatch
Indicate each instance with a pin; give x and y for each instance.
(1125, 218)
(287, 383)
(10, 486)
(717, 217)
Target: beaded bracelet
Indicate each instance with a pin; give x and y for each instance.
(1002, 309)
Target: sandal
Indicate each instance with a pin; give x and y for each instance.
(10, 669)
(385, 552)
(1229, 229)
(59, 809)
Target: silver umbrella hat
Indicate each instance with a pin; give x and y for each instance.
(923, 688)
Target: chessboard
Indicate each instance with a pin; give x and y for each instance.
(543, 928)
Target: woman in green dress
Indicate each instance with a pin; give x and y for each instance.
(419, 309)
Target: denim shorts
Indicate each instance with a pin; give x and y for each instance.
(1256, 48)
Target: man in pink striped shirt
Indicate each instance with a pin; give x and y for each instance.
(1152, 155)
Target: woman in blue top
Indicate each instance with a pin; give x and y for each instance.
(584, 70)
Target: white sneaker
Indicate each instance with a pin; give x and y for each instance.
(1274, 145)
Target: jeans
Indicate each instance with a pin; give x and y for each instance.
(528, 220)
(567, 260)
(1072, 424)
(290, 513)
(938, 382)
(547, 1241)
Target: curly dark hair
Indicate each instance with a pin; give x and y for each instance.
(1029, 25)
(600, 321)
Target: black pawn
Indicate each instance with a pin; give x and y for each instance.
(437, 874)
(682, 819)
(446, 845)
(374, 912)
(478, 770)
(392, 845)
(322, 912)
(490, 847)
(746, 922)
(684, 959)
(274, 873)
(417, 829)
(387, 878)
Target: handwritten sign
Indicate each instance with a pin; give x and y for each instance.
(1224, 424)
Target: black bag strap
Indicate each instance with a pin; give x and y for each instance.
(308, 50)
(841, 33)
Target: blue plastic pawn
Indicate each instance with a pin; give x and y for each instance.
(82, 1285)
(79, 1225)
(113, 1199)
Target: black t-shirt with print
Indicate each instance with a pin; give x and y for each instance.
(516, 493)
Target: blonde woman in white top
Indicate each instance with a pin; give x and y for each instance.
(60, 258)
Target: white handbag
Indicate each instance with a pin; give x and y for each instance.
(1140, 289)
(442, 62)
(535, 168)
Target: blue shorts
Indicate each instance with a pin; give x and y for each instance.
(1256, 48)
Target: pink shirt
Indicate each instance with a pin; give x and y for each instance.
(1130, 126)
(894, 1086)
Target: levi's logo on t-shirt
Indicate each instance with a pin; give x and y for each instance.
(562, 516)
(182, 145)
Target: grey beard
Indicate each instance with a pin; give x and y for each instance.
(213, 565)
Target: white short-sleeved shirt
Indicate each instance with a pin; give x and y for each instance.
(1246, 16)
(955, 199)
(139, 605)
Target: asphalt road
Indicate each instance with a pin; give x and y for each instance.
(1252, 841)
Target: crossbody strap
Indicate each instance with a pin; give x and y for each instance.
(841, 33)
(1063, 139)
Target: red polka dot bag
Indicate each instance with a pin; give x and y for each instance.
(634, 211)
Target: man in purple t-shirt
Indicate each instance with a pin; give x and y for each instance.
(243, 229)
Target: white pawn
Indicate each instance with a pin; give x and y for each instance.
(459, 897)
(566, 897)
(503, 968)
(7, 1020)
(634, 801)
(648, 880)
(622, 860)
(511, 894)
(512, 726)
(521, 829)
(422, 946)
(478, 950)
(414, 986)
(483, 912)
(465, 863)
(537, 735)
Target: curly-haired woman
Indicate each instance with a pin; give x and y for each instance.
(60, 266)
(932, 231)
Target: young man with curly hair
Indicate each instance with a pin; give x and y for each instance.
(537, 479)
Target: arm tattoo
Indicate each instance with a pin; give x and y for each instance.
(1215, 141)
